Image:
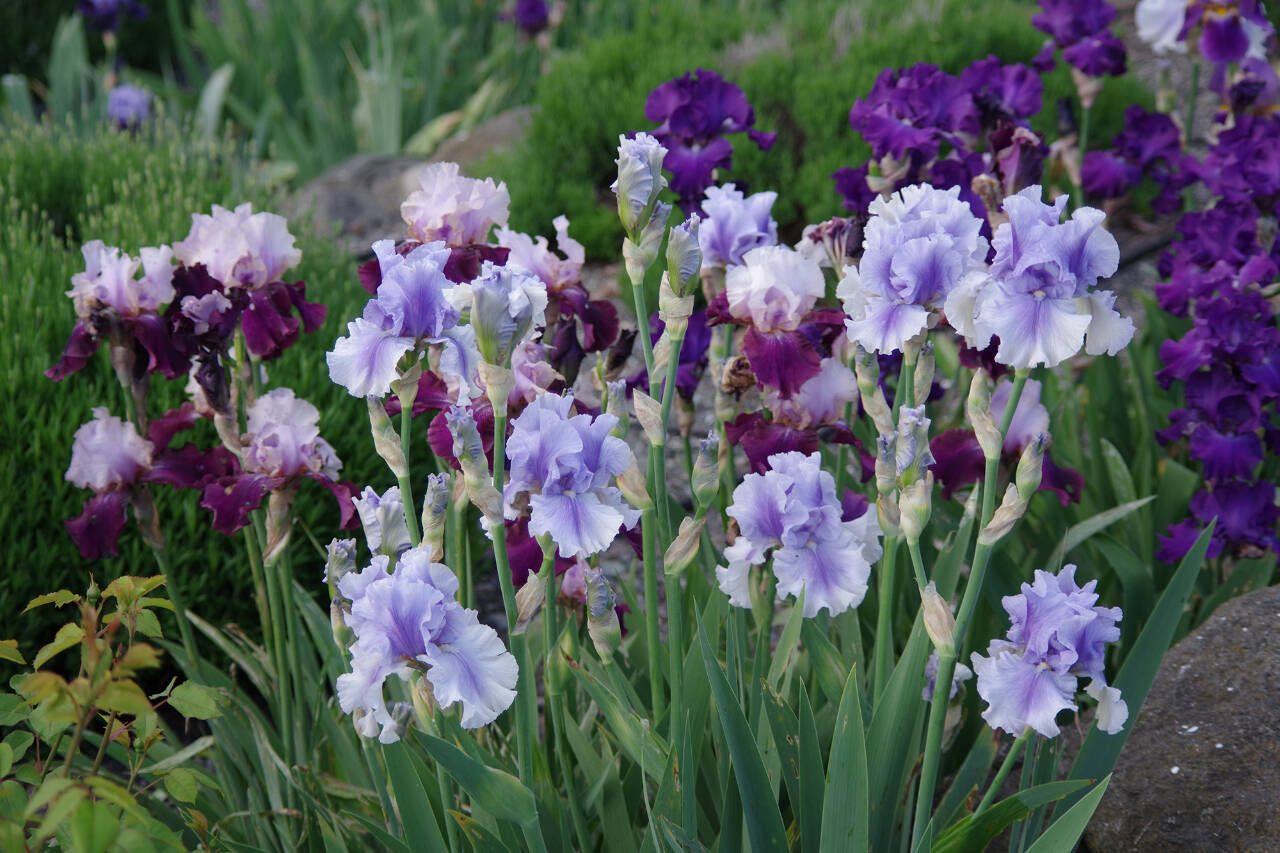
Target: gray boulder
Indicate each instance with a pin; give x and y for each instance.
(1201, 768)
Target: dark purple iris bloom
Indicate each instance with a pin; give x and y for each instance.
(1008, 92)
(532, 16)
(1258, 89)
(1151, 145)
(105, 16)
(852, 186)
(912, 111)
(694, 113)
(1070, 21)
(1223, 38)
(1098, 55)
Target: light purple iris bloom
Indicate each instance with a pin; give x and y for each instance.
(239, 248)
(1037, 296)
(566, 464)
(917, 247)
(1161, 23)
(535, 255)
(128, 106)
(792, 514)
(505, 306)
(411, 309)
(734, 224)
(107, 453)
(382, 516)
(774, 288)
(108, 281)
(1058, 633)
(453, 208)
(284, 438)
(411, 619)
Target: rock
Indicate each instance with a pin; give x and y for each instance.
(1201, 768)
(361, 197)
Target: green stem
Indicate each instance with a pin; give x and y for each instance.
(947, 657)
(1003, 773)
(526, 710)
(917, 563)
(283, 691)
(642, 330)
(653, 642)
(1017, 837)
(884, 615)
(406, 481)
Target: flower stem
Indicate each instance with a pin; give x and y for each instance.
(653, 643)
(884, 615)
(526, 710)
(1003, 773)
(947, 657)
(406, 481)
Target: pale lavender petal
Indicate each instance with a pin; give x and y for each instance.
(107, 453)
(470, 665)
(579, 524)
(365, 361)
(1021, 693)
(382, 517)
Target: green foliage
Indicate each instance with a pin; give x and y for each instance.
(59, 188)
(801, 86)
(54, 781)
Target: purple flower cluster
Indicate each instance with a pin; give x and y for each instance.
(790, 514)
(1058, 633)
(1150, 146)
(694, 114)
(409, 620)
(924, 125)
(1218, 268)
(1081, 28)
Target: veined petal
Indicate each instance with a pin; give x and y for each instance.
(580, 524)
(365, 361)
(469, 664)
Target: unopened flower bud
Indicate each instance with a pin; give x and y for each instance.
(915, 505)
(631, 483)
(978, 412)
(911, 451)
(938, 620)
(639, 254)
(1006, 515)
(279, 523)
(649, 414)
(384, 519)
(886, 466)
(640, 178)
(684, 255)
(1031, 467)
(385, 438)
(529, 601)
(507, 304)
(706, 470)
(602, 616)
(469, 451)
(887, 515)
(616, 405)
(673, 310)
(435, 510)
(498, 382)
(340, 559)
(685, 546)
(867, 371)
(923, 378)
(342, 635)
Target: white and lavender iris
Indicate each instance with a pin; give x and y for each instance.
(535, 255)
(1160, 24)
(640, 177)
(239, 248)
(411, 619)
(455, 209)
(1037, 296)
(917, 247)
(774, 288)
(382, 516)
(411, 308)
(109, 282)
(566, 463)
(107, 453)
(284, 438)
(504, 306)
(792, 513)
(1057, 634)
(734, 225)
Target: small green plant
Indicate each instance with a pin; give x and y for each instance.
(88, 760)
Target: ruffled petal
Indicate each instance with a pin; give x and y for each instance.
(469, 664)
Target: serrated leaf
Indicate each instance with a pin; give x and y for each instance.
(9, 651)
(68, 635)
(58, 599)
(181, 784)
(195, 700)
(124, 697)
(139, 656)
(148, 624)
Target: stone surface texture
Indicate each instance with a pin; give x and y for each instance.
(1201, 768)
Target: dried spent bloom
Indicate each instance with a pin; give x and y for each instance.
(734, 225)
(792, 514)
(410, 619)
(918, 245)
(456, 209)
(566, 464)
(1037, 296)
(774, 288)
(1057, 634)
